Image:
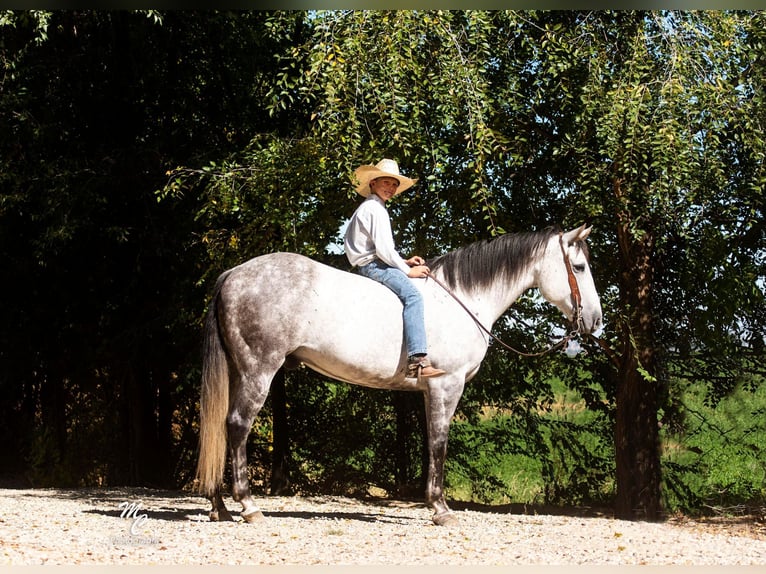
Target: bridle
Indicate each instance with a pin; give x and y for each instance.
(576, 305)
(574, 290)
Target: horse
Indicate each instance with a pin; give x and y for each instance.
(286, 310)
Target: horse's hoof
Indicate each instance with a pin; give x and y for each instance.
(445, 519)
(221, 516)
(252, 517)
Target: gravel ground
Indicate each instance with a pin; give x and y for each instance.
(86, 526)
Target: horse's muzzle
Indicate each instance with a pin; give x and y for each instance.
(585, 323)
(589, 324)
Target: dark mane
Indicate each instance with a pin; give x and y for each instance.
(479, 264)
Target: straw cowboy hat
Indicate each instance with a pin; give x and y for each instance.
(384, 168)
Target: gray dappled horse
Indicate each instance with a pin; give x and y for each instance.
(284, 309)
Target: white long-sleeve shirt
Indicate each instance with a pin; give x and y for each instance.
(369, 235)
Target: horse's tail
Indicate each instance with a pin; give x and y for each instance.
(214, 402)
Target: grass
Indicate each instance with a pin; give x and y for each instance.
(716, 460)
(721, 452)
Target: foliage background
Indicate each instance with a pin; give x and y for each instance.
(144, 152)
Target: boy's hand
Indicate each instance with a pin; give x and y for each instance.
(417, 271)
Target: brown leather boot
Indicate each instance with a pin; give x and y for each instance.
(421, 367)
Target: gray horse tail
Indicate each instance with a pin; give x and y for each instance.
(214, 402)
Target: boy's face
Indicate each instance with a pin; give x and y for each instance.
(384, 187)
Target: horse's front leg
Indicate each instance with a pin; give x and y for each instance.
(441, 396)
(443, 515)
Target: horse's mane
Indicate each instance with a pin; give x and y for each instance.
(479, 264)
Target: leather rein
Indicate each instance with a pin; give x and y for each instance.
(576, 304)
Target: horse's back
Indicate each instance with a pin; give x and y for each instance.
(285, 280)
(288, 305)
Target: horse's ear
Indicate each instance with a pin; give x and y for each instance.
(578, 234)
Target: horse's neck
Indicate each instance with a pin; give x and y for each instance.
(489, 303)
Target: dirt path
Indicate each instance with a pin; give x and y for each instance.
(142, 526)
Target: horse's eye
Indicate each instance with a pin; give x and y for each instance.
(579, 268)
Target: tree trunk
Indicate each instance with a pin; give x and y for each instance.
(143, 442)
(409, 411)
(401, 452)
(280, 472)
(637, 448)
(54, 423)
(165, 467)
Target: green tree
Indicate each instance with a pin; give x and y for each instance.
(642, 122)
(100, 344)
(671, 153)
(367, 85)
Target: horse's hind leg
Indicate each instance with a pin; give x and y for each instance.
(246, 402)
(218, 512)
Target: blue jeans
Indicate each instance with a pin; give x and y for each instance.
(412, 314)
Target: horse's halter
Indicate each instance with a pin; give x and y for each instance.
(574, 289)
